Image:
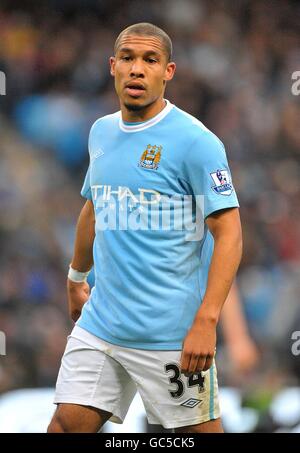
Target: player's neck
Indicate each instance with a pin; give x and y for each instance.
(130, 116)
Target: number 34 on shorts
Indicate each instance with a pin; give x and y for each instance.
(195, 379)
(196, 392)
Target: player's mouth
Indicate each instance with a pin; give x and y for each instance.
(135, 89)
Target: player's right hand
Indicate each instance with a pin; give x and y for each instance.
(78, 294)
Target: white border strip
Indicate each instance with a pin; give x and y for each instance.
(149, 123)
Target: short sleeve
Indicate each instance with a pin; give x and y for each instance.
(86, 188)
(207, 172)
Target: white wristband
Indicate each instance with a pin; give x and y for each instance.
(76, 276)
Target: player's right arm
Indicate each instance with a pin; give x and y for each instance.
(82, 261)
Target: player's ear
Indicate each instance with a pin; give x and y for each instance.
(170, 71)
(112, 63)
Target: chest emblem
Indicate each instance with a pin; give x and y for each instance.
(151, 157)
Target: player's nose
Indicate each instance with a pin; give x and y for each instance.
(137, 69)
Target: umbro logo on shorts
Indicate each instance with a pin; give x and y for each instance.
(191, 402)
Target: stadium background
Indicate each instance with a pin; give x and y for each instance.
(235, 61)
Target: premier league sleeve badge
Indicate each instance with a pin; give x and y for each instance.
(222, 182)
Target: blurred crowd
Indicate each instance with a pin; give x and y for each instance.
(234, 66)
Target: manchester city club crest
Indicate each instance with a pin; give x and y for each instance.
(223, 184)
(151, 157)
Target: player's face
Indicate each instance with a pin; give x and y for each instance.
(141, 70)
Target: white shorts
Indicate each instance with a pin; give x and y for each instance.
(106, 376)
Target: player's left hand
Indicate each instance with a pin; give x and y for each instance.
(199, 347)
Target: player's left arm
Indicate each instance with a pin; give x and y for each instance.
(200, 342)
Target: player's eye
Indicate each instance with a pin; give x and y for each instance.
(125, 58)
(151, 60)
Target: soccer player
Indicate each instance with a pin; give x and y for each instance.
(150, 321)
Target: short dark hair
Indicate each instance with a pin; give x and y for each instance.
(145, 28)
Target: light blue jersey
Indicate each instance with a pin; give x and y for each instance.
(150, 268)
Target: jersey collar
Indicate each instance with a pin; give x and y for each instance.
(135, 127)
